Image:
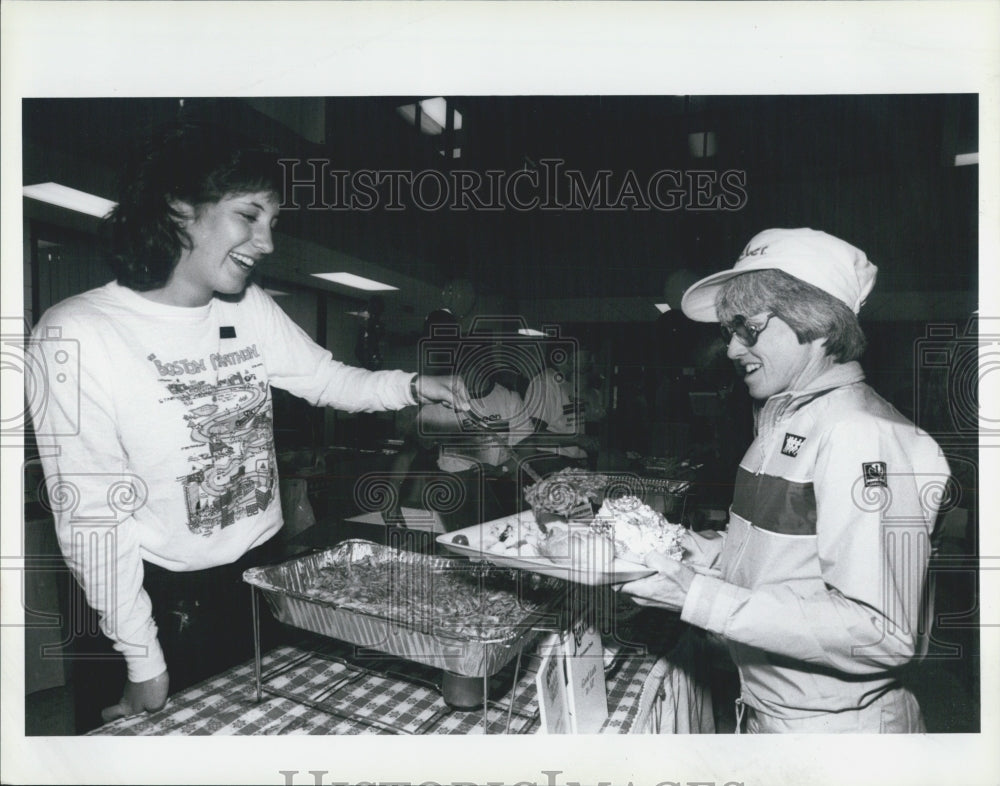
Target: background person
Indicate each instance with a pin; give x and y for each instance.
(368, 347)
(475, 446)
(556, 404)
(177, 359)
(819, 577)
(458, 303)
(416, 459)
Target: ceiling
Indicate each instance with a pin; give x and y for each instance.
(877, 170)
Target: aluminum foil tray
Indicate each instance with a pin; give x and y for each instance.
(644, 485)
(286, 589)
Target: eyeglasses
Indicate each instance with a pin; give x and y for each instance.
(743, 330)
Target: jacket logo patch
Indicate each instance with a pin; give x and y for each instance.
(874, 474)
(791, 445)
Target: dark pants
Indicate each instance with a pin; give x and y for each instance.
(204, 617)
(205, 626)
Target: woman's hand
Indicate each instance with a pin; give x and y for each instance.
(701, 548)
(449, 390)
(668, 587)
(138, 697)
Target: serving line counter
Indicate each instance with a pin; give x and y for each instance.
(646, 694)
(312, 684)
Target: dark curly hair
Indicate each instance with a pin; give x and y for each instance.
(195, 163)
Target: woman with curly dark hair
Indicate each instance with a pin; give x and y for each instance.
(171, 400)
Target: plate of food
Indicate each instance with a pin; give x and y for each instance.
(608, 549)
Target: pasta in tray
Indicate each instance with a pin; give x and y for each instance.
(462, 602)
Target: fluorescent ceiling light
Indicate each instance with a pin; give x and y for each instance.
(529, 332)
(966, 159)
(69, 198)
(357, 282)
(436, 109)
(702, 144)
(433, 115)
(663, 307)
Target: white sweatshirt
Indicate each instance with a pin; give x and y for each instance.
(157, 442)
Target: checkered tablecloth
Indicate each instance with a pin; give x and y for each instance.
(401, 695)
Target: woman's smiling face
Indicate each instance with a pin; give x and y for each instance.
(228, 239)
(777, 362)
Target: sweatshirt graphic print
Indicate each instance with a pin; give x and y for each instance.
(231, 450)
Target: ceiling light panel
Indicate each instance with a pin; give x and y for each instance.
(69, 198)
(356, 282)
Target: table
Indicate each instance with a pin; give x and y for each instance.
(226, 704)
(650, 692)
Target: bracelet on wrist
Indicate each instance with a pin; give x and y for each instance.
(413, 389)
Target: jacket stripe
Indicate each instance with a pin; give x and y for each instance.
(775, 504)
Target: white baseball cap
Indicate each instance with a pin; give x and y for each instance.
(809, 255)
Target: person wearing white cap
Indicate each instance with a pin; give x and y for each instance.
(817, 584)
